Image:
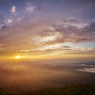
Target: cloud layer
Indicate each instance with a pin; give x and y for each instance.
(35, 38)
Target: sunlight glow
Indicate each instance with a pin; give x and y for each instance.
(17, 57)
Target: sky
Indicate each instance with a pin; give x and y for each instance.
(59, 29)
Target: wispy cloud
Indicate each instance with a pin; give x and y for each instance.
(76, 35)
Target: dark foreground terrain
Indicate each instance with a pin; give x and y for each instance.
(80, 89)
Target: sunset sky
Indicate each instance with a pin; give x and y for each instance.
(47, 29)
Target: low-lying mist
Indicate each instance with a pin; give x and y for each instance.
(37, 74)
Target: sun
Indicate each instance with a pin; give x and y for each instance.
(18, 57)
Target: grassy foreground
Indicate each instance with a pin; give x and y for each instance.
(87, 89)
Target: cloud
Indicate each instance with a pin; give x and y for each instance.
(30, 8)
(47, 50)
(20, 35)
(70, 34)
(10, 20)
(32, 37)
(91, 70)
(74, 34)
(74, 22)
(59, 49)
(13, 10)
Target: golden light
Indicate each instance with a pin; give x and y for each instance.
(18, 57)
